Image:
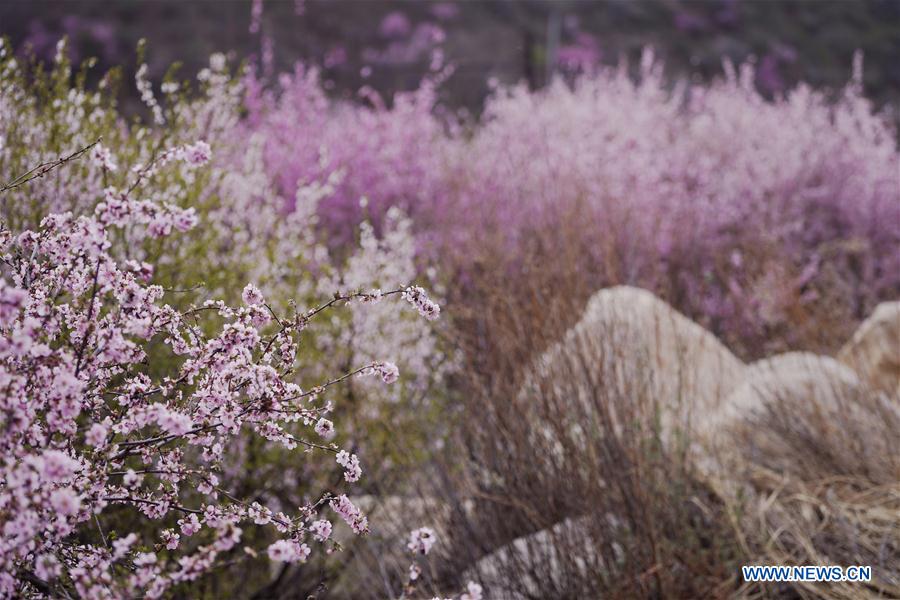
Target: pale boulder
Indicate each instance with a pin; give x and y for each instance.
(874, 350)
(546, 563)
(794, 413)
(793, 377)
(629, 344)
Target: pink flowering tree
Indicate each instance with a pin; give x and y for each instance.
(246, 235)
(110, 481)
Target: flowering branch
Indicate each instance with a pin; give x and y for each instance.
(44, 168)
(75, 336)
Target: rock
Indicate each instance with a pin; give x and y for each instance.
(799, 413)
(874, 350)
(547, 563)
(629, 343)
(793, 377)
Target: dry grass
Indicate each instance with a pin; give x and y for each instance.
(824, 484)
(841, 521)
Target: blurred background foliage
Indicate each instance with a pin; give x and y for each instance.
(389, 45)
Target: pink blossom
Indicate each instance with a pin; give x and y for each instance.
(473, 592)
(189, 525)
(421, 540)
(58, 466)
(388, 372)
(350, 514)
(131, 478)
(65, 501)
(251, 295)
(350, 462)
(288, 551)
(123, 545)
(259, 514)
(47, 567)
(102, 157)
(174, 422)
(185, 220)
(325, 428)
(321, 529)
(256, 12)
(395, 24)
(170, 539)
(11, 299)
(416, 296)
(444, 10)
(96, 435)
(197, 154)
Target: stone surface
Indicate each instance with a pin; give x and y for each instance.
(546, 561)
(793, 377)
(629, 343)
(874, 350)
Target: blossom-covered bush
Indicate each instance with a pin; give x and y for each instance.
(747, 213)
(87, 428)
(385, 153)
(248, 235)
(126, 188)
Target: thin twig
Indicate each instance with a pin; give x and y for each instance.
(44, 168)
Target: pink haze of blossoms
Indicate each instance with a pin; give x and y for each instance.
(86, 426)
(731, 205)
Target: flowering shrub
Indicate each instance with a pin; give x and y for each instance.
(172, 350)
(746, 213)
(246, 237)
(385, 154)
(88, 428)
(749, 215)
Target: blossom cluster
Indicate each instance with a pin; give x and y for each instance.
(89, 431)
(421, 540)
(416, 296)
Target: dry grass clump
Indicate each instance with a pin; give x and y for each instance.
(840, 521)
(824, 482)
